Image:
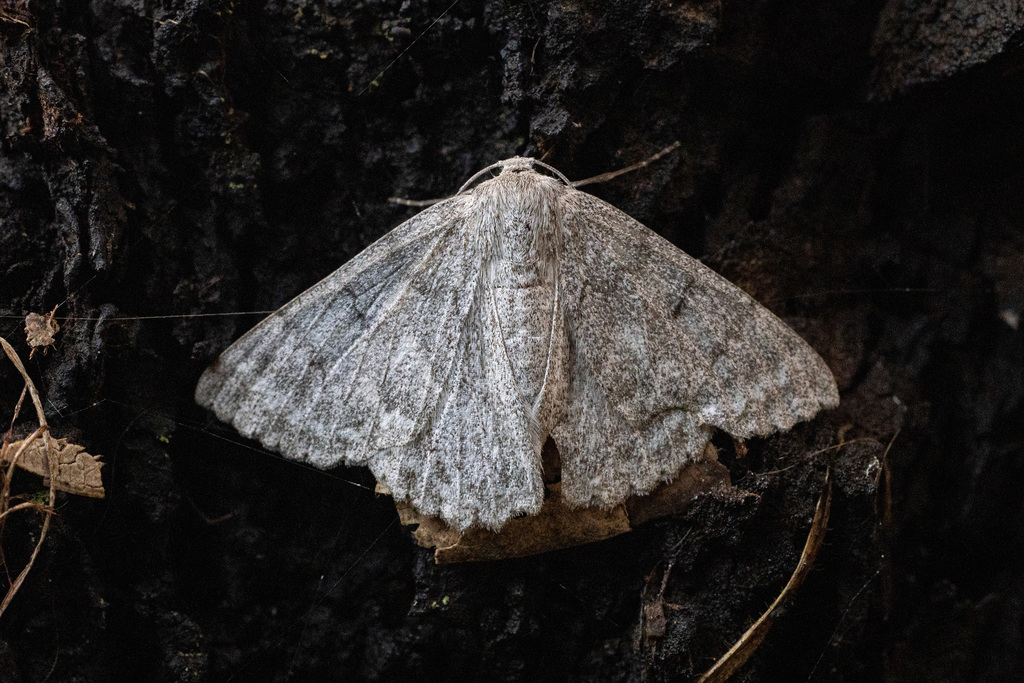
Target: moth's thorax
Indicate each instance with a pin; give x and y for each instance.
(520, 230)
(520, 213)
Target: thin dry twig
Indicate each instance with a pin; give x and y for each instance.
(605, 177)
(739, 653)
(9, 18)
(43, 431)
(30, 505)
(402, 201)
(835, 448)
(5, 491)
(884, 485)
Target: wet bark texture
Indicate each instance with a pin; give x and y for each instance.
(856, 166)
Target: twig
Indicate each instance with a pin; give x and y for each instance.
(739, 653)
(605, 177)
(402, 201)
(44, 431)
(5, 492)
(23, 506)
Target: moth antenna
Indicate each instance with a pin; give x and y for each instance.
(538, 162)
(430, 202)
(476, 175)
(501, 164)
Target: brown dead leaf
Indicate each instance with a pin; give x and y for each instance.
(77, 471)
(40, 330)
(676, 497)
(654, 624)
(560, 526)
(555, 526)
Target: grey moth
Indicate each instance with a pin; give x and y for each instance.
(445, 355)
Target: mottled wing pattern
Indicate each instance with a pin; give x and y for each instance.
(388, 362)
(478, 464)
(663, 350)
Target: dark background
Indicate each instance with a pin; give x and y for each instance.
(856, 166)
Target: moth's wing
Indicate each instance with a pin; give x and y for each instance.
(391, 361)
(477, 463)
(662, 351)
(251, 383)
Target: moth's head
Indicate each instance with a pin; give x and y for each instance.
(516, 165)
(521, 164)
(513, 166)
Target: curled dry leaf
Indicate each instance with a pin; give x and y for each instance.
(78, 472)
(558, 525)
(40, 330)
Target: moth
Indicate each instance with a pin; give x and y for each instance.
(445, 355)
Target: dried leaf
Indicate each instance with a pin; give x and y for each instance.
(40, 330)
(77, 471)
(558, 525)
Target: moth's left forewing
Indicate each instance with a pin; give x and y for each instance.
(271, 383)
(663, 350)
(393, 362)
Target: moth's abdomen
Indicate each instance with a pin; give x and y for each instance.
(519, 227)
(524, 316)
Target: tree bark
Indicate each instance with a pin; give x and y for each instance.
(856, 167)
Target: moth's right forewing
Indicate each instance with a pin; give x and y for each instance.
(662, 351)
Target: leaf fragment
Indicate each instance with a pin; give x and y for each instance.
(40, 331)
(78, 472)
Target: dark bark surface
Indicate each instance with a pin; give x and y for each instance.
(857, 167)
